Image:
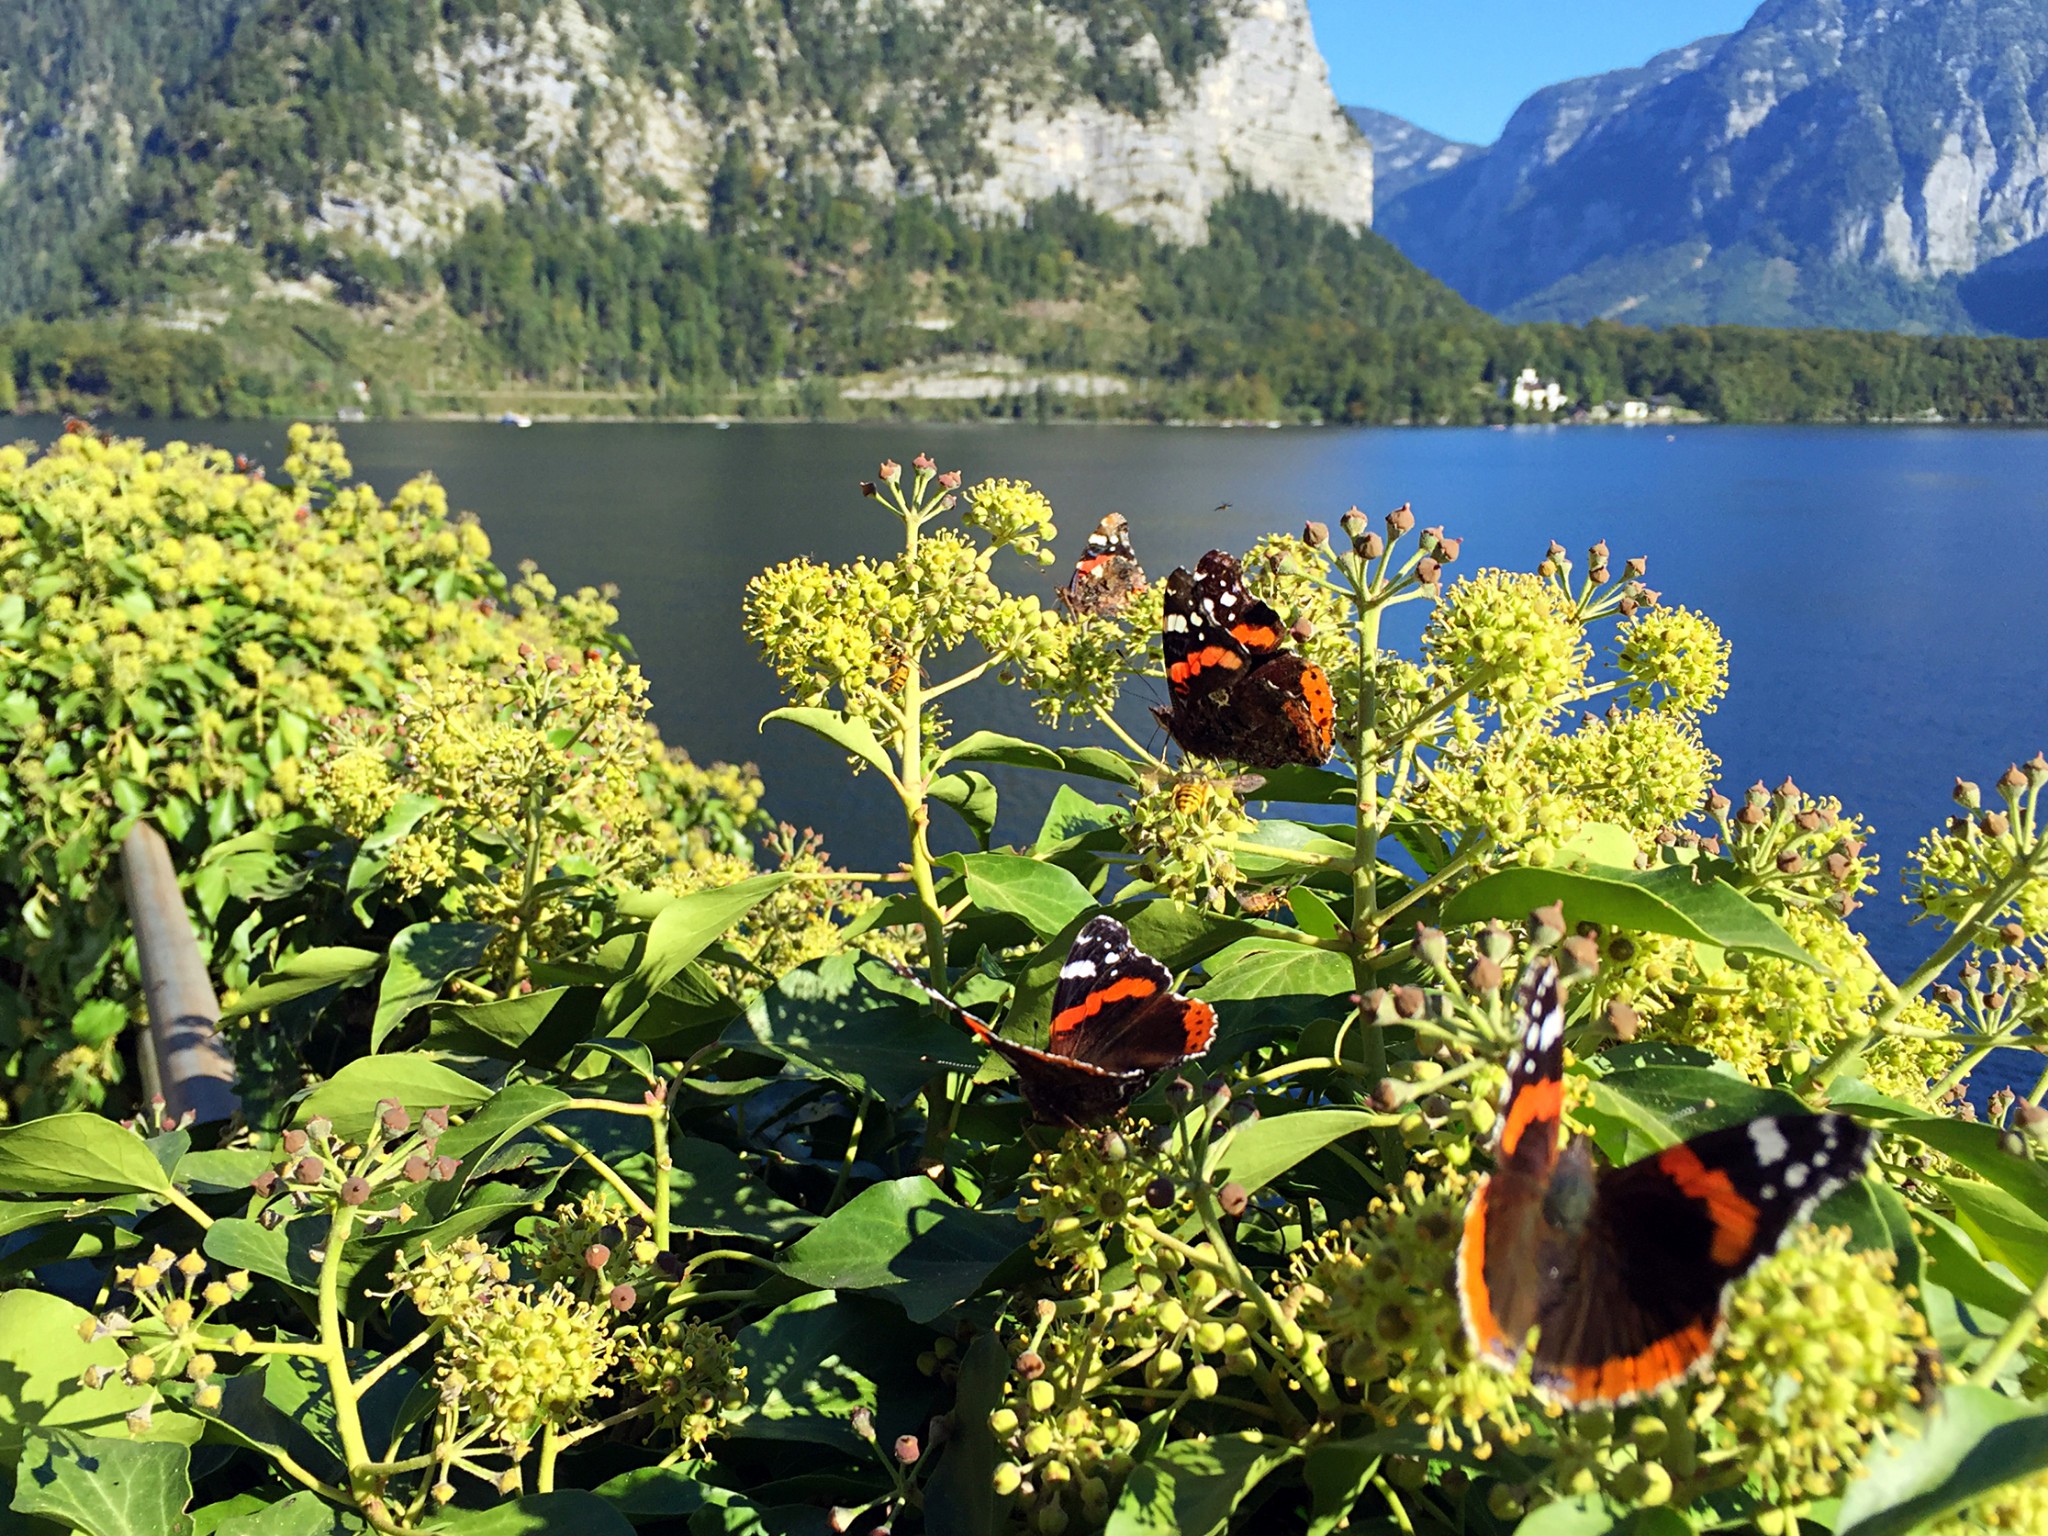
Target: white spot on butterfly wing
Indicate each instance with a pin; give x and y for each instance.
(1769, 1142)
(1795, 1176)
(1074, 970)
(1176, 624)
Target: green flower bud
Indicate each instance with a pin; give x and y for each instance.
(1203, 1382)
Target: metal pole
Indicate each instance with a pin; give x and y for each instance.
(197, 1069)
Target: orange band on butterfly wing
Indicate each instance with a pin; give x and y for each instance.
(1605, 1383)
(1322, 704)
(1475, 1302)
(1260, 637)
(1541, 1103)
(1734, 1218)
(1202, 660)
(1095, 1002)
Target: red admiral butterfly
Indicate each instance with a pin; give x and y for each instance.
(1625, 1272)
(1236, 694)
(1116, 1024)
(1109, 575)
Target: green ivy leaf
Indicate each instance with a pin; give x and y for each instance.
(1339, 1471)
(424, 958)
(1954, 1264)
(850, 735)
(535, 1029)
(1295, 784)
(1313, 915)
(350, 1097)
(2003, 1228)
(42, 1357)
(304, 973)
(960, 1495)
(907, 1241)
(570, 1513)
(77, 1155)
(1671, 900)
(105, 1487)
(1973, 1443)
(298, 1514)
(1260, 1150)
(679, 933)
(827, 1020)
(1585, 1516)
(800, 1384)
(994, 747)
(243, 1244)
(1015, 752)
(1043, 895)
(1688, 1100)
(645, 1495)
(1281, 970)
(1978, 1147)
(1073, 815)
(1190, 1487)
(973, 796)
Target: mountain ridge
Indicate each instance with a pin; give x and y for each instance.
(1834, 162)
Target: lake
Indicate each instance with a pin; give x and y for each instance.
(1885, 589)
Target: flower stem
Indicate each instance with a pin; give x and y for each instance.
(550, 1450)
(2016, 1335)
(348, 1419)
(664, 1165)
(2022, 871)
(602, 1169)
(1366, 919)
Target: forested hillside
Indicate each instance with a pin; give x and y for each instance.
(732, 206)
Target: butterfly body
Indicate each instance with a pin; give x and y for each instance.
(1236, 692)
(1623, 1273)
(1116, 1024)
(1108, 575)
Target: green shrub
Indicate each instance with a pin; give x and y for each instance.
(176, 628)
(650, 1234)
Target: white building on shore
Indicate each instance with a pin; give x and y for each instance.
(1531, 393)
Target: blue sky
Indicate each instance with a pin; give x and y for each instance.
(1460, 67)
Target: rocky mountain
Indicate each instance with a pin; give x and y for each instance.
(1405, 154)
(381, 124)
(83, 85)
(1864, 163)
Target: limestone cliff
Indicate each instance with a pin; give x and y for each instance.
(986, 104)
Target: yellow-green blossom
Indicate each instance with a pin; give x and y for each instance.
(1675, 658)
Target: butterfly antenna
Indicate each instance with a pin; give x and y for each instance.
(939, 997)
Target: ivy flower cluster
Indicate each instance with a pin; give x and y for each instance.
(537, 769)
(176, 625)
(1989, 866)
(842, 635)
(1183, 828)
(170, 1335)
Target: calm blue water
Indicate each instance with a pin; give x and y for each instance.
(1885, 590)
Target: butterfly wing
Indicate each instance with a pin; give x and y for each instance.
(1502, 1260)
(1108, 575)
(1640, 1301)
(1117, 1022)
(1115, 1006)
(1237, 692)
